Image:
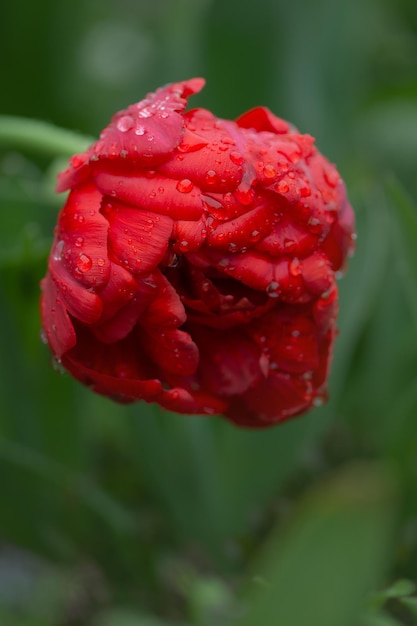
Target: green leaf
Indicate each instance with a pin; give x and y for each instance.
(411, 604)
(404, 216)
(25, 134)
(124, 617)
(321, 569)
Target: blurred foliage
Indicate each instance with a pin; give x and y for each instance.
(115, 516)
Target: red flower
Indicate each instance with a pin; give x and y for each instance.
(194, 262)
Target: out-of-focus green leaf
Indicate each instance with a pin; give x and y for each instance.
(411, 604)
(34, 135)
(404, 218)
(124, 617)
(400, 589)
(321, 569)
(380, 619)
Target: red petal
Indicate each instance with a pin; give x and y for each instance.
(81, 303)
(156, 193)
(166, 308)
(278, 397)
(261, 118)
(288, 238)
(119, 291)
(145, 133)
(243, 231)
(81, 240)
(188, 236)
(212, 166)
(138, 239)
(131, 306)
(317, 274)
(229, 361)
(171, 349)
(55, 319)
(193, 402)
(289, 340)
(116, 370)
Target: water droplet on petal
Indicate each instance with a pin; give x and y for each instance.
(58, 250)
(289, 245)
(43, 337)
(77, 160)
(79, 242)
(57, 365)
(254, 235)
(140, 130)
(125, 123)
(245, 195)
(282, 187)
(294, 267)
(84, 263)
(185, 185)
(100, 261)
(314, 225)
(236, 157)
(273, 289)
(211, 177)
(269, 171)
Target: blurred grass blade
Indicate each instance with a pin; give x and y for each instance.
(93, 497)
(404, 216)
(321, 570)
(19, 133)
(122, 617)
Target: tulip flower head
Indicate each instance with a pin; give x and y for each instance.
(194, 262)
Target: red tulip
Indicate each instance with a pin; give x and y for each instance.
(194, 262)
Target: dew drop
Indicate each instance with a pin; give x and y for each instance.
(269, 171)
(236, 157)
(173, 260)
(245, 195)
(254, 235)
(331, 175)
(78, 160)
(272, 289)
(289, 245)
(84, 263)
(314, 225)
(43, 337)
(211, 177)
(282, 187)
(100, 261)
(294, 267)
(125, 123)
(57, 365)
(140, 130)
(185, 185)
(79, 242)
(58, 250)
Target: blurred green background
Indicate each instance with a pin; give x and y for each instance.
(115, 516)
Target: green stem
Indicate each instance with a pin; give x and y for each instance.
(34, 135)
